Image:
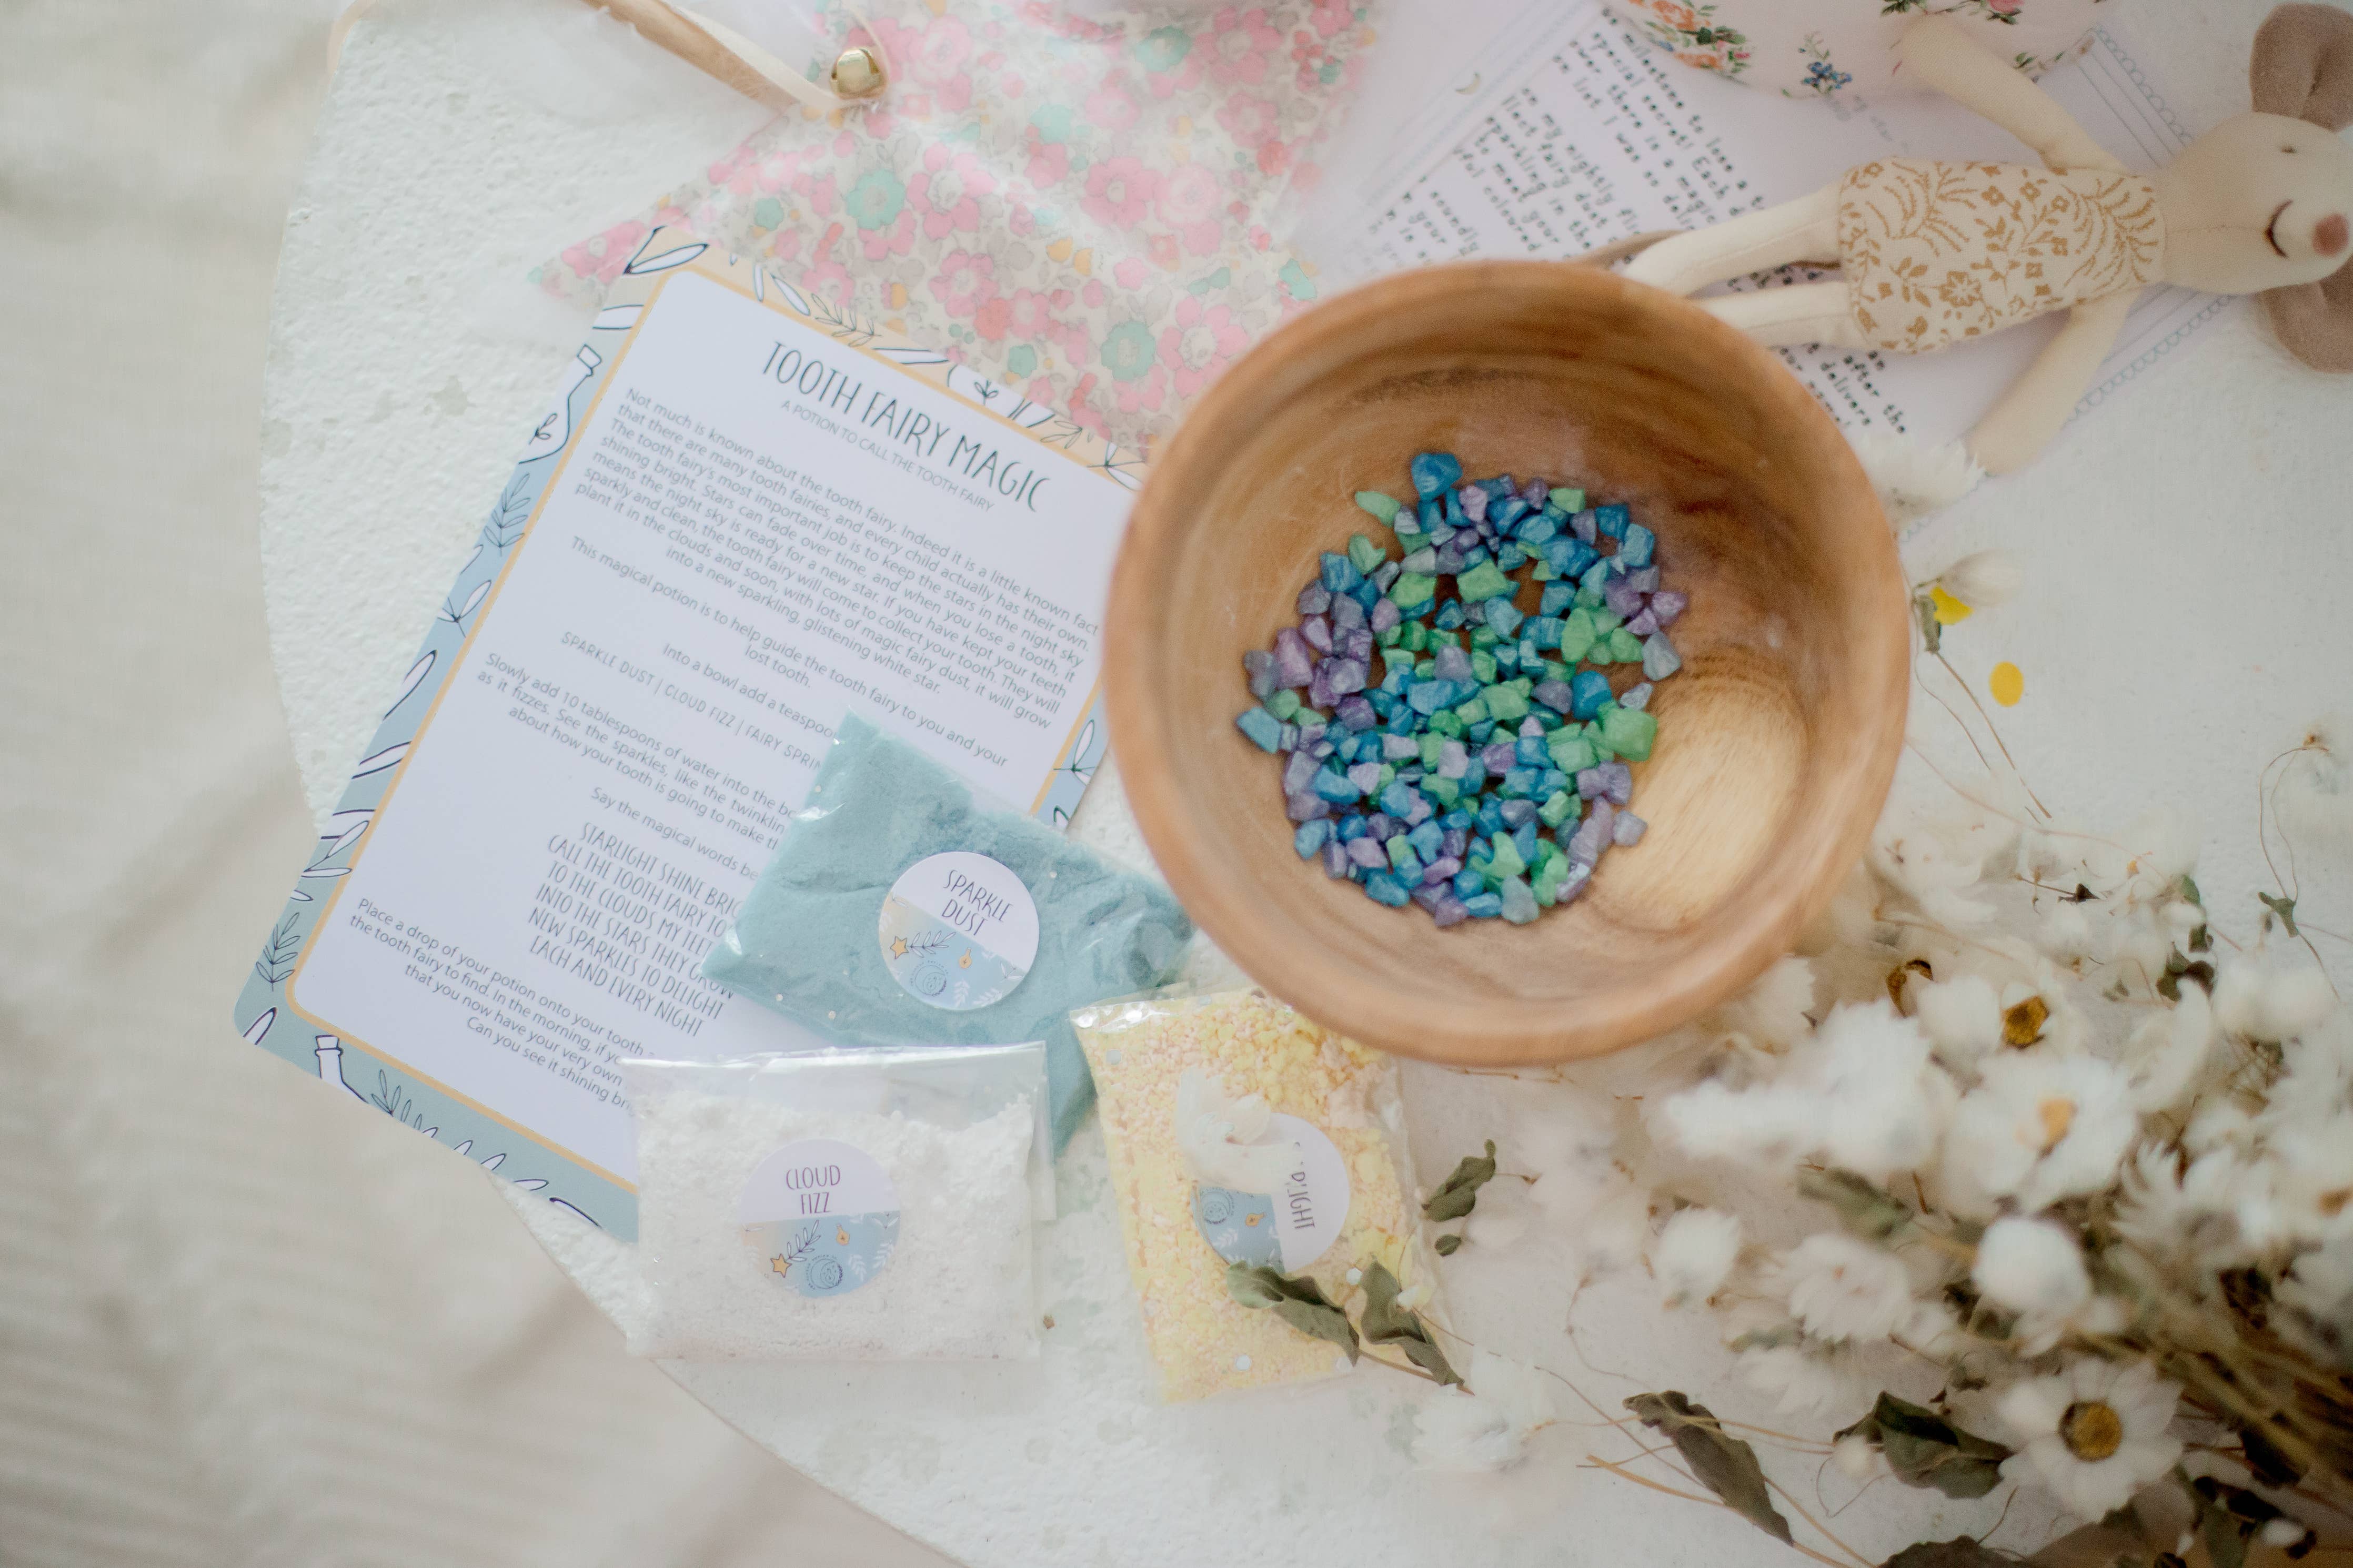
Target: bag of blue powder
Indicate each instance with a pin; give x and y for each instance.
(899, 911)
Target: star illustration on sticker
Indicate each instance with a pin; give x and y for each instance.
(898, 948)
(782, 1265)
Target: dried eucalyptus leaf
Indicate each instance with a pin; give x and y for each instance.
(1866, 1210)
(2228, 1518)
(1925, 1449)
(1323, 1322)
(1424, 1353)
(1449, 1244)
(2189, 891)
(1459, 1194)
(1923, 613)
(1961, 1552)
(1256, 1287)
(1382, 1316)
(1723, 1463)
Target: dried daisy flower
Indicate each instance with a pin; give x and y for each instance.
(2094, 1434)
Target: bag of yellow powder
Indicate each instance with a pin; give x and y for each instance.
(1241, 1132)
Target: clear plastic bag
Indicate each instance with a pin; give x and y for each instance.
(831, 936)
(1240, 1132)
(842, 1206)
(1091, 211)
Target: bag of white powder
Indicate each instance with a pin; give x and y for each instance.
(842, 1206)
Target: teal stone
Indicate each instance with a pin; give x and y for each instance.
(1263, 728)
(1412, 588)
(1559, 808)
(803, 944)
(1485, 581)
(1384, 507)
(1365, 555)
(1506, 702)
(1519, 900)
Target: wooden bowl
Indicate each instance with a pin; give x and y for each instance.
(1777, 739)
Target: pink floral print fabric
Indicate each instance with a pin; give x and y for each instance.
(1084, 209)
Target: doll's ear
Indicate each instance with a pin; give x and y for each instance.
(2314, 322)
(2303, 65)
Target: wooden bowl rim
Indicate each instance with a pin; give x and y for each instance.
(1503, 1030)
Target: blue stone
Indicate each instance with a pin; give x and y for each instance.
(1263, 728)
(1483, 906)
(1587, 689)
(1338, 573)
(1612, 519)
(1310, 838)
(1383, 888)
(1636, 550)
(1435, 473)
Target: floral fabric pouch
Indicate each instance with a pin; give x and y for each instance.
(1084, 208)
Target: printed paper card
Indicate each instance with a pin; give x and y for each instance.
(742, 515)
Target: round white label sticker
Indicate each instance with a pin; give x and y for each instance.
(1287, 1229)
(819, 1216)
(958, 931)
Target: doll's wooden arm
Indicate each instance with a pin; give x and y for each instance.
(1939, 53)
(2025, 418)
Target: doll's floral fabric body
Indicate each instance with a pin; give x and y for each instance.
(1082, 210)
(1933, 253)
(1826, 48)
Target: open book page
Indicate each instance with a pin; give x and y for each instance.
(1575, 132)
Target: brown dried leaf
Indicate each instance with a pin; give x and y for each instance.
(2022, 1026)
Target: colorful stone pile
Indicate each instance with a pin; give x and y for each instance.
(1442, 745)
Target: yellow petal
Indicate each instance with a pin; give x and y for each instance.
(1060, 250)
(1948, 609)
(899, 299)
(2008, 684)
(1084, 263)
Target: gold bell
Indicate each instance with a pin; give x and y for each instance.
(858, 73)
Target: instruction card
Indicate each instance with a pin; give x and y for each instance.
(744, 515)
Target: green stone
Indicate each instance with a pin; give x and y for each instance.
(1284, 705)
(1365, 555)
(1389, 776)
(1567, 500)
(1577, 633)
(1559, 809)
(1483, 667)
(1472, 711)
(1625, 648)
(1605, 620)
(1506, 703)
(1541, 571)
(1384, 507)
(1412, 588)
(1431, 747)
(1485, 581)
(1630, 732)
(1504, 856)
(1571, 751)
(1417, 636)
(1445, 792)
(1389, 637)
(1445, 723)
(1589, 598)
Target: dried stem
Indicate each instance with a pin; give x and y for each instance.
(1991, 729)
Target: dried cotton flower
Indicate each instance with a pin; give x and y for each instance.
(1694, 1253)
(2094, 1434)
(2035, 1269)
(1842, 1289)
(1805, 1383)
(2315, 793)
(2258, 1000)
(2037, 1129)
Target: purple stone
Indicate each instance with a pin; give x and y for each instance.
(1420, 811)
(1515, 812)
(1474, 502)
(1450, 560)
(1356, 713)
(1306, 805)
(1585, 526)
(1667, 603)
(1380, 829)
(1295, 661)
(1358, 645)
(1442, 869)
(1453, 664)
(1623, 601)
(1318, 633)
(1457, 840)
(1590, 785)
(1614, 782)
(1315, 599)
(1335, 859)
(1386, 615)
(1572, 887)
(1532, 728)
(1310, 734)
(1643, 625)
(1366, 776)
(1429, 895)
(1343, 676)
(1451, 910)
(1626, 831)
(1319, 688)
(1260, 666)
(1646, 580)
(1453, 760)
(1347, 615)
(1637, 697)
(1535, 492)
(1592, 835)
(1398, 748)
(1298, 774)
(1555, 695)
(1499, 757)
(1366, 853)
